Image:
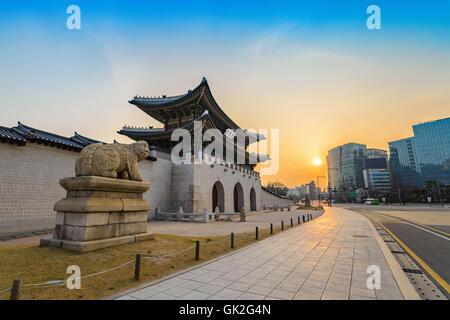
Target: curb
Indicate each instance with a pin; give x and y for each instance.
(405, 286)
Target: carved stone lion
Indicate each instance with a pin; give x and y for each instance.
(112, 160)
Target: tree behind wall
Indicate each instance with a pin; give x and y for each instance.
(278, 188)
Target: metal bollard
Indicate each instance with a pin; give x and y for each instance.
(197, 250)
(298, 220)
(15, 290)
(232, 240)
(271, 228)
(137, 267)
(303, 217)
(256, 233)
(282, 225)
(292, 223)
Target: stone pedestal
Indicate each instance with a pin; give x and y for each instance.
(99, 212)
(242, 215)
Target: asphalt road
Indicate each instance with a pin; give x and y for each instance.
(429, 242)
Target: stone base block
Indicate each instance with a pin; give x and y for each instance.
(99, 212)
(86, 246)
(89, 233)
(91, 219)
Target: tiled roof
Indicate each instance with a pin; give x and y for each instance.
(155, 106)
(158, 100)
(32, 134)
(21, 134)
(274, 194)
(142, 133)
(83, 140)
(164, 99)
(9, 135)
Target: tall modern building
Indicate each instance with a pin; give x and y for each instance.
(432, 141)
(376, 154)
(311, 191)
(376, 174)
(424, 157)
(403, 165)
(345, 166)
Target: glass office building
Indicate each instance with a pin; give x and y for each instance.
(424, 157)
(377, 180)
(403, 165)
(345, 166)
(376, 174)
(432, 146)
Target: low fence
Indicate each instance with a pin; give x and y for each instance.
(16, 283)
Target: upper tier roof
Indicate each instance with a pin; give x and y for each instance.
(162, 108)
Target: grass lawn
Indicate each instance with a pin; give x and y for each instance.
(33, 264)
(300, 207)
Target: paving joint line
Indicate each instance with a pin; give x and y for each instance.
(168, 277)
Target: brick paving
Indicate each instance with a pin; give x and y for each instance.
(326, 258)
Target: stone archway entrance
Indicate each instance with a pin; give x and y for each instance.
(252, 199)
(238, 197)
(218, 197)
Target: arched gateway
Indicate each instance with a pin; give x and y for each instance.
(252, 199)
(238, 197)
(218, 197)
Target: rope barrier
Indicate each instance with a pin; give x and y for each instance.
(216, 242)
(45, 284)
(6, 290)
(168, 255)
(62, 282)
(184, 250)
(111, 269)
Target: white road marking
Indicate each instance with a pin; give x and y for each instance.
(411, 224)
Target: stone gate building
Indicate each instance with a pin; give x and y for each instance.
(32, 162)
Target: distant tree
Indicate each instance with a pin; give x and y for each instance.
(278, 188)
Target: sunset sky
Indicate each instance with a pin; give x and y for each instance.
(311, 69)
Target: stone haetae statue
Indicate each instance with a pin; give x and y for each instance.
(112, 160)
(100, 210)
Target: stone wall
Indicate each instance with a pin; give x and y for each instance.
(30, 174)
(29, 184)
(159, 175)
(193, 184)
(269, 200)
(207, 175)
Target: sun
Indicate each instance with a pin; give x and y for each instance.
(317, 161)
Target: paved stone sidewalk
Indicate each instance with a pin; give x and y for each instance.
(326, 258)
(260, 219)
(254, 219)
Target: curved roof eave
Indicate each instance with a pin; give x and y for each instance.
(152, 105)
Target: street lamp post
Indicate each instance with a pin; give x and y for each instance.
(318, 187)
(329, 194)
(439, 192)
(329, 184)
